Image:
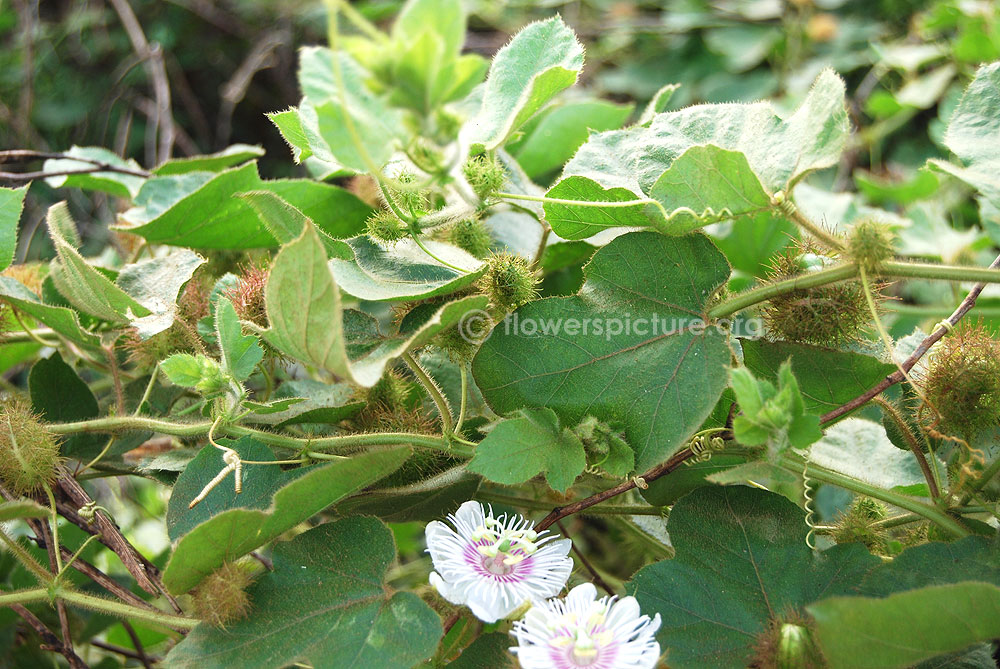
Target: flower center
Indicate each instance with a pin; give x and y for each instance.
(505, 547)
(582, 640)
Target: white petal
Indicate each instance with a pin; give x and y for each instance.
(581, 597)
(489, 609)
(469, 516)
(451, 593)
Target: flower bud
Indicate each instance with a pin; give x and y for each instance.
(472, 236)
(485, 174)
(508, 281)
(29, 453)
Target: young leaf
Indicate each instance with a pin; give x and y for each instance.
(717, 604)
(81, 284)
(771, 415)
(631, 348)
(519, 448)
(325, 602)
(542, 59)
(866, 633)
(11, 204)
(285, 222)
(307, 318)
(199, 551)
(183, 369)
(240, 353)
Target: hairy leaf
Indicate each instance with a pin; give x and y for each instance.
(325, 602)
(632, 348)
(11, 204)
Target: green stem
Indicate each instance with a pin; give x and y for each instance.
(920, 270)
(415, 237)
(432, 389)
(932, 514)
(98, 604)
(931, 311)
(114, 424)
(763, 293)
(361, 23)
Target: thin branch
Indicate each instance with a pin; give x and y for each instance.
(124, 652)
(909, 363)
(656, 472)
(140, 652)
(586, 563)
(50, 640)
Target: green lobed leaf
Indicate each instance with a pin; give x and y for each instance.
(213, 162)
(240, 353)
(62, 320)
(404, 271)
(519, 448)
(84, 286)
(907, 627)
(326, 603)
(202, 210)
(658, 378)
(779, 151)
(741, 562)
(707, 183)
(199, 551)
(116, 183)
(11, 204)
(542, 59)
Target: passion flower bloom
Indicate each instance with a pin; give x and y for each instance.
(583, 632)
(494, 565)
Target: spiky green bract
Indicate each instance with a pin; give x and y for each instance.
(485, 174)
(391, 392)
(405, 193)
(859, 524)
(962, 385)
(222, 598)
(829, 315)
(870, 243)
(472, 235)
(508, 281)
(29, 453)
(788, 644)
(383, 226)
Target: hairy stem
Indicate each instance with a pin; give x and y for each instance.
(440, 401)
(760, 294)
(115, 424)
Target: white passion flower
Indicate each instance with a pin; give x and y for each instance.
(495, 565)
(583, 632)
